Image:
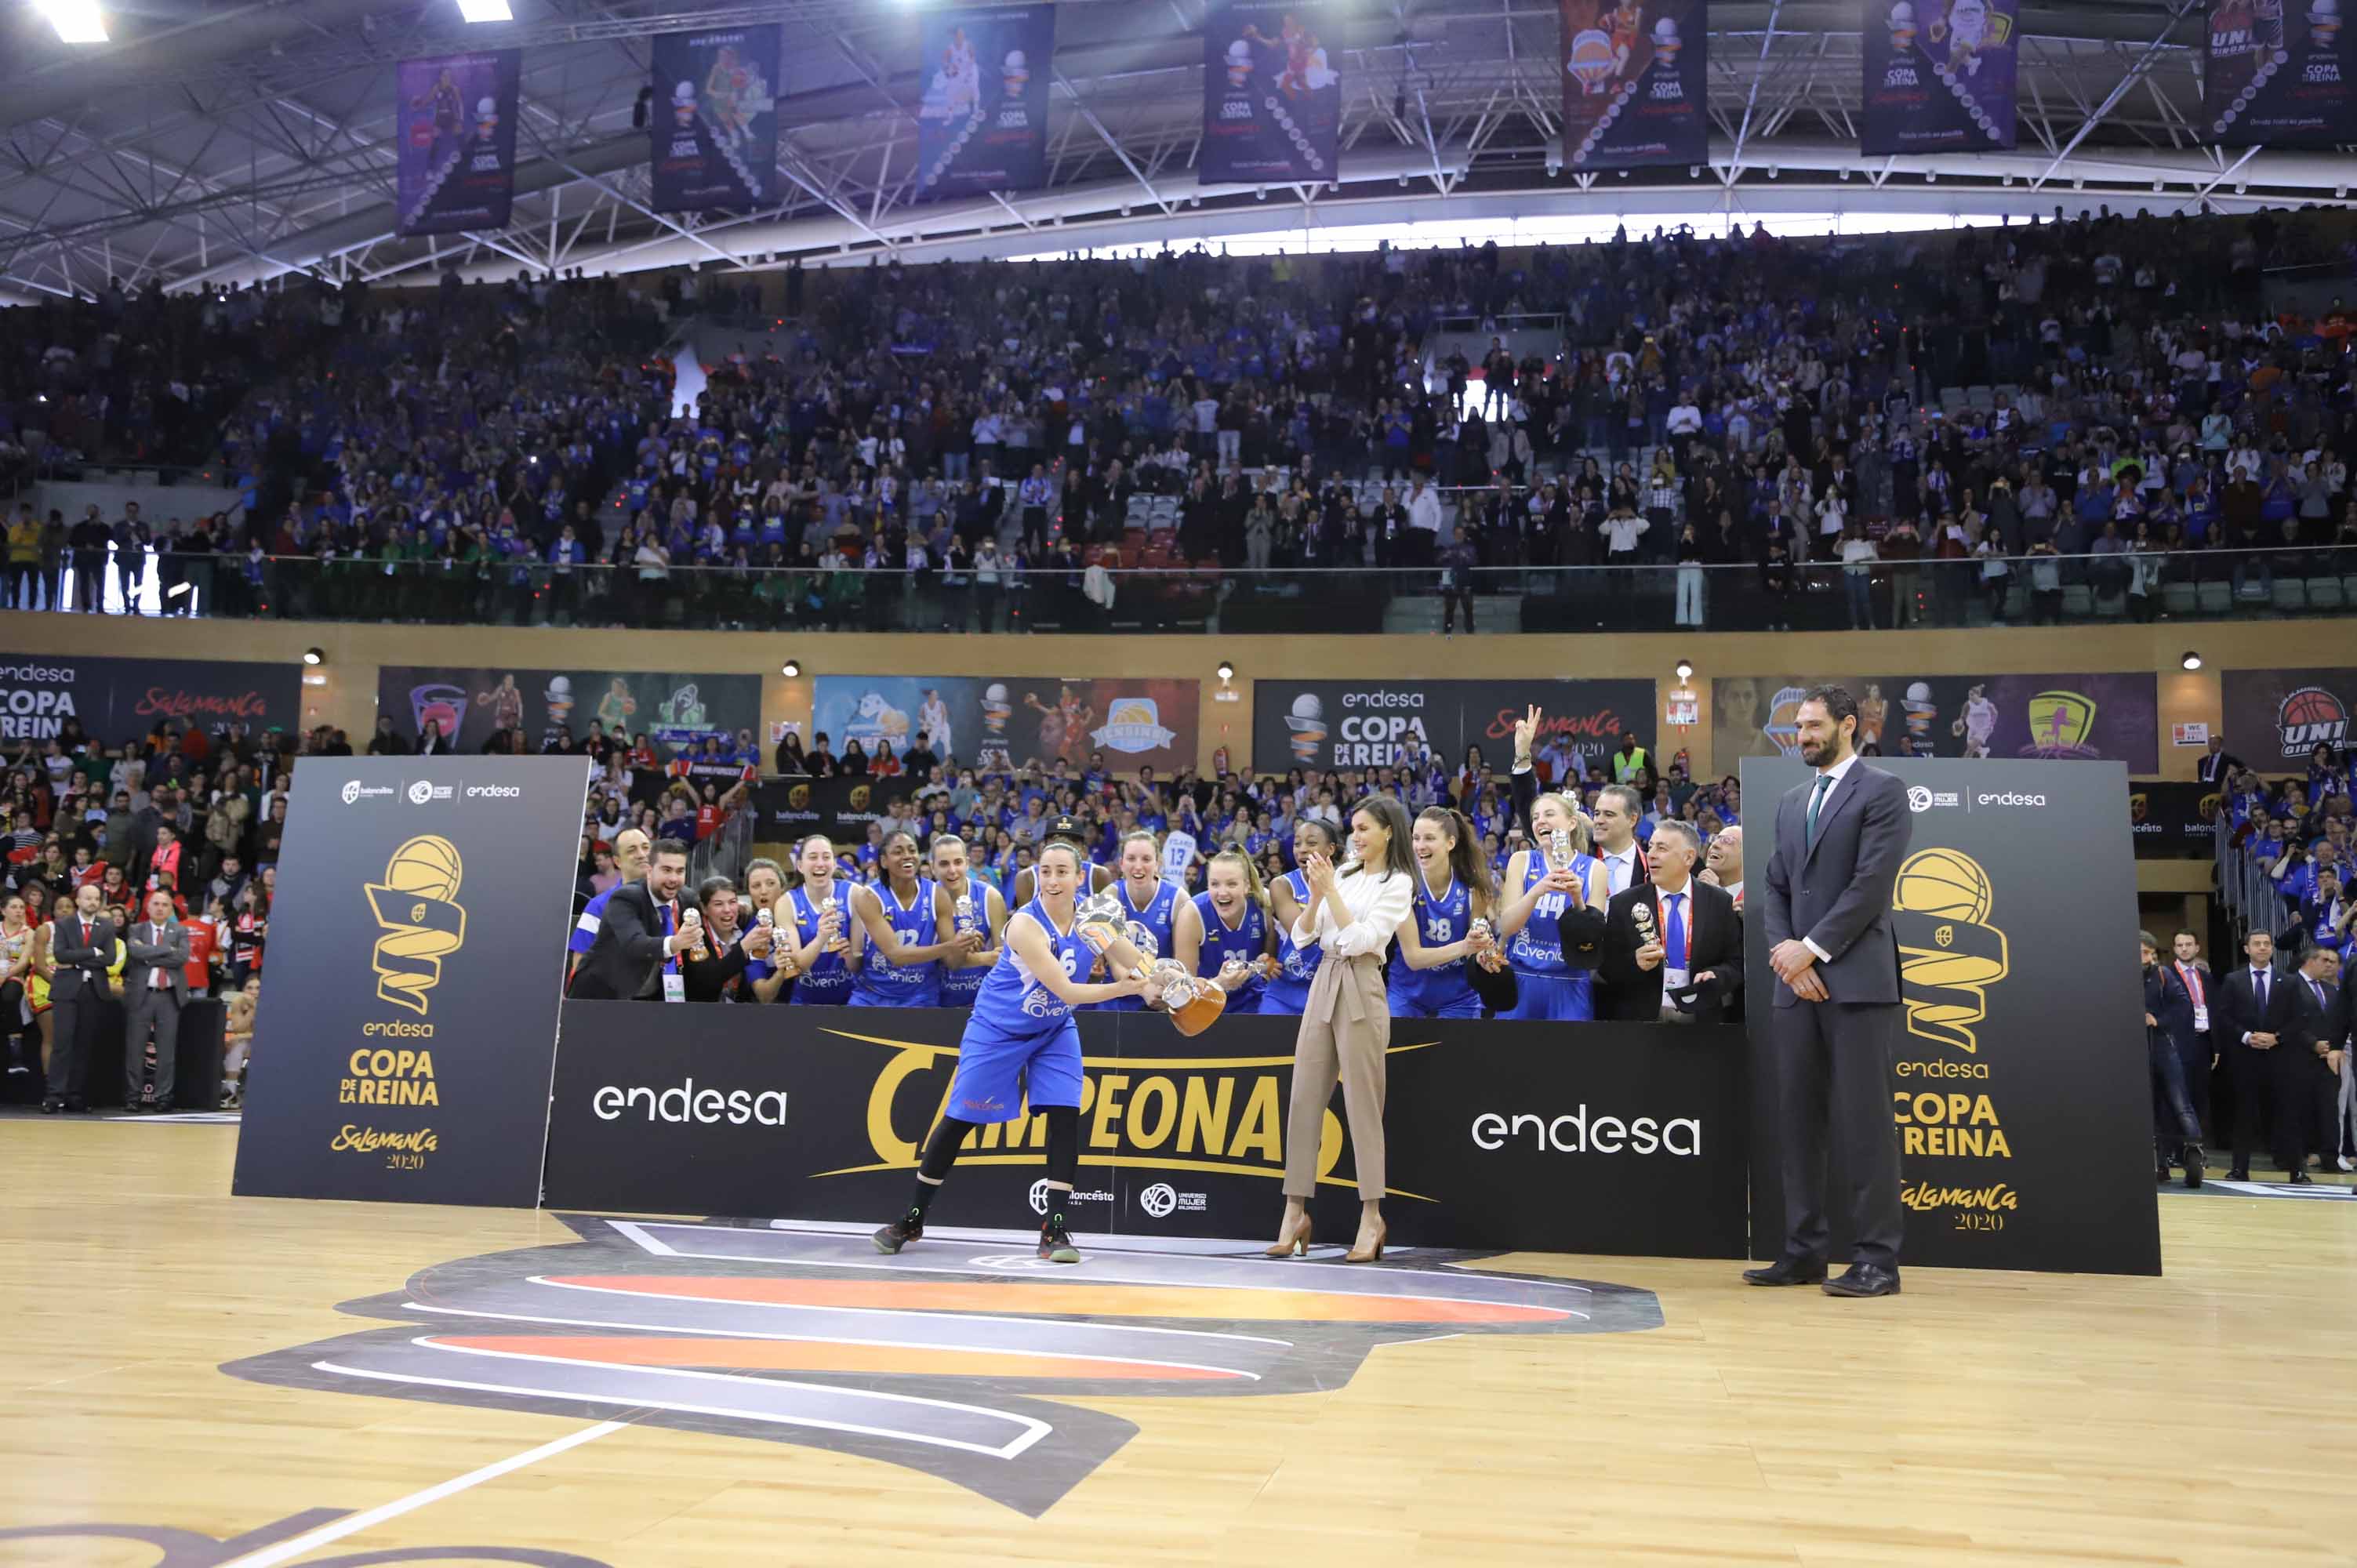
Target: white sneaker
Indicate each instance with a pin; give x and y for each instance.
(2346, 1163)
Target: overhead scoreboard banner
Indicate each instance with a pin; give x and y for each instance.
(819, 1114)
(1006, 721)
(414, 972)
(2276, 718)
(1272, 97)
(983, 123)
(119, 700)
(1332, 724)
(2277, 74)
(2019, 1088)
(2066, 717)
(470, 703)
(716, 136)
(1634, 83)
(1940, 76)
(456, 119)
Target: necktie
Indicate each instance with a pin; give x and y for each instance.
(2259, 985)
(670, 928)
(2319, 989)
(1673, 931)
(2193, 978)
(1816, 802)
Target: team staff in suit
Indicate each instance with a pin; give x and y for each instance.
(2253, 1014)
(1696, 939)
(2168, 1023)
(1824, 910)
(2197, 1045)
(637, 953)
(155, 989)
(2308, 1091)
(2217, 762)
(82, 947)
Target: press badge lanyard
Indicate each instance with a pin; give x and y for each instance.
(675, 984)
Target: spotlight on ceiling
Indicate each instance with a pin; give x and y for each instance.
(315, 656)
(486, 11)
(1262, 194)
(1685, 670)
(2192, 660)
(790, 668)
(1227, 669)
(77, 21)
(1931, 178)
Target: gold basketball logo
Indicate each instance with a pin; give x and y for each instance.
(422, 925)
(1949, 954)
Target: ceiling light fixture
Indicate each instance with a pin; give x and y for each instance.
(77, 21)
(2192, 660)
(486, 11)
(790, 668)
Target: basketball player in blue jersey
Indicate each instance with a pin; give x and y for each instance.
(1437, 941)
(909, 929)
(765, 895)
(1156, 908)
(1288, 990)
(1237, 941)
(817, 937)
(976, 908)
(1552, 916)
(1020, 1053)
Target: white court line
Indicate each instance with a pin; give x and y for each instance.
(311, 1541)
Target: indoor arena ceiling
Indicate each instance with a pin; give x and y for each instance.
(223, 143)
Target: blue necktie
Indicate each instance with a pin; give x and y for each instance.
(1673, 932)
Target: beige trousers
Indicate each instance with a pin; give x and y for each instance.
(1345, 1029)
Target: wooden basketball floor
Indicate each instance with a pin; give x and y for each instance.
(2201, 1418)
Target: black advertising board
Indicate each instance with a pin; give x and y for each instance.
(414, 980)
(1589, 1138)
(787, 811)
(2171, 820)
(1321, 724)
(2019, 1087)
(119, 700)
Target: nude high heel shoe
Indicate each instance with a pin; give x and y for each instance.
(1373, 1251)
(1294, 1241)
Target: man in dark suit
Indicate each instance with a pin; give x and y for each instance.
(2217, 762)
(2168, 1024)
(636, 955)
(2194, 973)
(2253, 1016)
(1824, 909)
(155, 988)
(2308, 1093)
(83, 946)
(1689, 952)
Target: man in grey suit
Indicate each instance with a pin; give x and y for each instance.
(155, 988)
(83, 946)
(1824, 910)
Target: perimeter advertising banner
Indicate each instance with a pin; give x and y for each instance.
(715, 139)
(472, 702)
(413, 983)
(2277, 74)
(1939, 76)
(2019, 1088)
(1005, 721)
(1323, 724)
(455, 116)
(2061, 717)
(820, 1115)
(1634, 81)
(119, 700)
(983, 125)
(2276, 718)
(2171, 820)
(787, 811)
(1272, 99)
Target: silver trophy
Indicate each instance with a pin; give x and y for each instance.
(1559, 850)
(1177, 986)
(964, 909)
(841, 943)
(1644, 919)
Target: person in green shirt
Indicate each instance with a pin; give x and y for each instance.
(1630, 761)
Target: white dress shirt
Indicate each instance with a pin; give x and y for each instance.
(1834, 773)
(1376, 904)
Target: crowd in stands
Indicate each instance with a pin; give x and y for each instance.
(1941, 422)
(2298, 831)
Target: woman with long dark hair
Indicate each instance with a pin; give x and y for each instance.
(1438, 937)
(1346, 1025)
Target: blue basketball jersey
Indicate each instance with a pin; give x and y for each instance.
(1012, 1002)
(1247, 942)
(1438, 923)
(960, 987)
(1157, 918)
(1537, 947)
(1296, 966)
(827, 981)
(883, 983)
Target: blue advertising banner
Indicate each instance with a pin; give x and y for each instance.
(983, 125)
(1272, 99)
(717, 146)
(1940, 78)
(2270, 83)
(456, 119)
(1634, 81)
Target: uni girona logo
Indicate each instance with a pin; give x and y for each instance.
(952, 1358)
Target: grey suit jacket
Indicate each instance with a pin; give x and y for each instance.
(170, 951)
(1836, 893)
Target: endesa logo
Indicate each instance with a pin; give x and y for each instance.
(494, 792)
(2012, 798)
(685, 1103)
(1578, 1133)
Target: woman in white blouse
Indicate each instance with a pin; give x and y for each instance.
(1346, 1025)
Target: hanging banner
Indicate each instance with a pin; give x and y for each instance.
(1272, 99)
(1940, 78)
(2273, 81)
(1328, 725)
(717, 144)
(1006, 721)
(983, 125)
(468, 703)
(1633, 93)
(2074, 718)
(121, 699)
(2276, 718)
(457, 116)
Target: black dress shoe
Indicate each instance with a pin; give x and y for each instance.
(2238, 1172)
(1865, 1279)
(52, 1107)
(2300, 1179)
(1788, 1272)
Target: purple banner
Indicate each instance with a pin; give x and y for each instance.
(983, 125)
(1633, 84)
(456, 118)
(2277, 78)
(716, 143)
(1272, 99)
(2076, 717)
(1939, 75)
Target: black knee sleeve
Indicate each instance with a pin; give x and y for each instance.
(1063, 1143)
(941, 1148)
